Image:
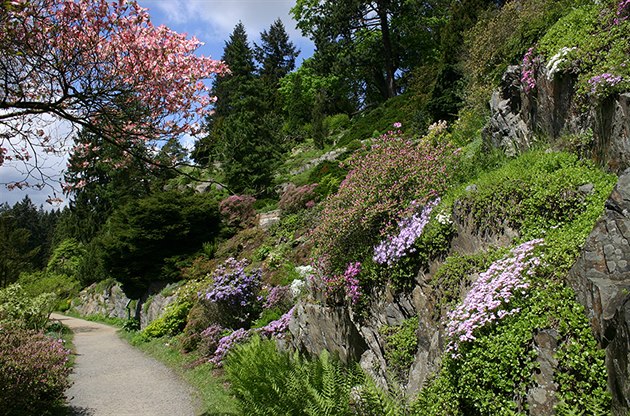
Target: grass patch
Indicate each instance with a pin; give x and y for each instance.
(207, 381)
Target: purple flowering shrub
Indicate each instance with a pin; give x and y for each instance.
(277, 328)
(601, 84)
(234, 294)
(383, 180)
(209, 340)
(397, 246)
(34, 371)
(489, 297)
(295, 198)
(278, 297)
(623, 11)
(238, 211)
(226, 343)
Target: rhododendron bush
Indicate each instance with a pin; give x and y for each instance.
(101, 66)
(383, 181)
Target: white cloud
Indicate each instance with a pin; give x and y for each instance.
(212, 21)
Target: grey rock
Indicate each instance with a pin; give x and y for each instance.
(587, 189)
(268, 219)
(601, 280)
(541, 397)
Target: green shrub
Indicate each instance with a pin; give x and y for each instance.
(337, 123)
(33, 372)
(401, 344)
(269, 382)
(171, 323)
(62, 285)
(18, 309)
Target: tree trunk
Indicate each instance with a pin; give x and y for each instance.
(390, 67)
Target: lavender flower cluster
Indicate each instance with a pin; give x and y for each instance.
(623, 9)
(233, 286)
(395, 247)
(277, 297)
(278, 327)
(226, 344)
(488, 298)
(528, 76)
(599, 82)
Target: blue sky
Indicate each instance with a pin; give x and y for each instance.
(211, 21)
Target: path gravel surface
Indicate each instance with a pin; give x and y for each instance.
(111, 378)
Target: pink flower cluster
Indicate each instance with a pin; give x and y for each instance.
(395, 247)
(346, 284)
(488, 298)
(528, 76)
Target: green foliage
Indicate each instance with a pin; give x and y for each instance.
(267, 316)
(18, 309)
(401, 344)
(171, 323)
(141, 236)
(375, 401)
(66, 257)
(33, 372)
(535, 194)
(63, 286)
(337, 123)
(572, 30)
(269, 382)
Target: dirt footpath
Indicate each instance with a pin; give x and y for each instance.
(112, 378)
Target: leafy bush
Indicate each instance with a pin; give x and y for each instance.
(401, 344)
(238, 211)
(37, 283)
(18, 309)
(172, 321)
(337, 123)
(34, 372)
(234, 294)
(384, 179)
(209, 340)
(269, 382)
(198, 319)
(66, 257)
(295, 198)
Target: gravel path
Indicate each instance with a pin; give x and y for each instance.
(112, 378)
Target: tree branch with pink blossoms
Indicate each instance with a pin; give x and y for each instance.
(101, 67)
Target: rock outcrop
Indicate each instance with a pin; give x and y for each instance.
(601, 279)
(110, 301)
(553, 110)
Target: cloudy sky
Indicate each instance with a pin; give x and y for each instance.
(211, 21)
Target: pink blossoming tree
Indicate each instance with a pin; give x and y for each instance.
(100, 66)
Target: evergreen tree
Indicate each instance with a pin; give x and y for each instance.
(276, 54)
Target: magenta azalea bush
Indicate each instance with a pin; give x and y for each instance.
(395, 247)
(34, 372)
(384, 179)
(489, 297)
(528, 68)
(295, 198)
(238, 211)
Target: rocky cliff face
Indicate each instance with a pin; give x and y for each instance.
(601, 279)
(601, 130)
(111, 301)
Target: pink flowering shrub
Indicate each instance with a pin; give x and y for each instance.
(33, 372)
(296, 198)
(343, 286)
(278, 297)
(528, 74)
(395, 247)
(489, 297)
(383, 180)
(238, 211)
